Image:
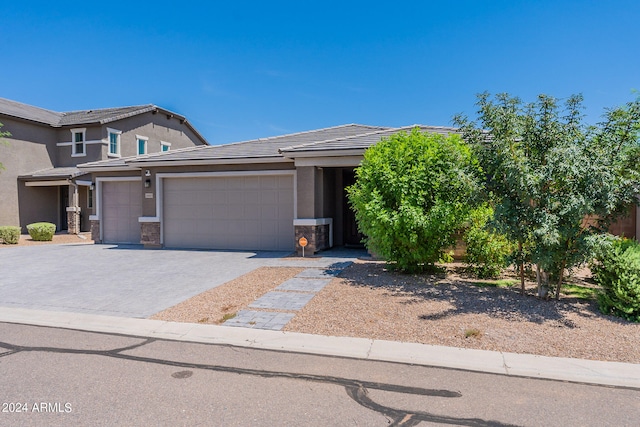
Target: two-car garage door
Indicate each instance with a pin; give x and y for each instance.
(253, 212)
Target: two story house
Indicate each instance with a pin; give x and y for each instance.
(41, 181)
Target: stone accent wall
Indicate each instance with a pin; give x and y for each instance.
(316, 235)
(73, 220)
(150, 234)
(95, 231)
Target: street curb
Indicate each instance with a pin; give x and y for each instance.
(510, 364)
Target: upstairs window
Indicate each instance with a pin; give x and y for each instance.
(142, 144)
(78, 147)
(165, 146)
(114, 142)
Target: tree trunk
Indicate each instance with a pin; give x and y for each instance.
(521, 268)
(560, 282)
(543, 282)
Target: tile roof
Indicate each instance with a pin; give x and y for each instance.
(103, 115)
(83, 117)
(70, 118)
(29, 112)
(359, 142)
(55, 173)
(257, 148)
(319, 142)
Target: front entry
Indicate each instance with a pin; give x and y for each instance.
(352, 237)
(64, 202)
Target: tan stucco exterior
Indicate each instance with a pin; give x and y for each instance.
(29, 195)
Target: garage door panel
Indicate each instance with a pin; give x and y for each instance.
(252, 182)
(121, 208)
(246, 213)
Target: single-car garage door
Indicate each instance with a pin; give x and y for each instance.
(121, 208)
(229, 212)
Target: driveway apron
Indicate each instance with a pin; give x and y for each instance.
(125, 281)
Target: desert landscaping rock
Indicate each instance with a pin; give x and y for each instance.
(368, 301)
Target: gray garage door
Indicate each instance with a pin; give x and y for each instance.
(121, 208)
(243, 212)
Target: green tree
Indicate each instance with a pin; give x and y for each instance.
(2, 141)
(412, 194)
(547, 172)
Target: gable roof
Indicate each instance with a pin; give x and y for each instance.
(99, 116)
(263, 149)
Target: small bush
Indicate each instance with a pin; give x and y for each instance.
(617, 269)
(487, 252)
(41, 231)
(9, 235)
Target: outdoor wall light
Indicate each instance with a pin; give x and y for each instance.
(147, 183)
(92, 186)
(147, 173)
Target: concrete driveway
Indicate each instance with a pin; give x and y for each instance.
(125, 281)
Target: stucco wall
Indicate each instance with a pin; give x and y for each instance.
(30, 148)
(157, 127)
(93, 151)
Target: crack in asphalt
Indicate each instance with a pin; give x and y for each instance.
(357, 390)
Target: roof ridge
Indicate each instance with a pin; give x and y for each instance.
(91, 110)
(360, 135)
(286, 135)
(349, 137)
(313, 131)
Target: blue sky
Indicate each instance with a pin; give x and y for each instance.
(240, 70)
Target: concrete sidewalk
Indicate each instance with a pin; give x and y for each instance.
(512, 364)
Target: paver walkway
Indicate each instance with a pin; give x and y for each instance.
(290, 296)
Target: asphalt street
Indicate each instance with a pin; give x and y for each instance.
(60, 377)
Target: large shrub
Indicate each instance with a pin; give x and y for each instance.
(9, 235)
(617, 269)
(42, 231)
(411, 194)
(547, 169)
(487, 252)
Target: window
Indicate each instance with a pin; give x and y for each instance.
(114, 142)
(165, 146)
(78, 142)
(142, 144)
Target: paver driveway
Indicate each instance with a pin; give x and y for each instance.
(113, 280)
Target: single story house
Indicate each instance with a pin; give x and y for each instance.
(41, 180)
(262, 194)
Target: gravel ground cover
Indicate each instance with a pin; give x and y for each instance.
(59, 238)
(366, 300)
(223, 302)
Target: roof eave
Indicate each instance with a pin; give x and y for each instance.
(324, 153)
(205, 162)
(90, 169)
